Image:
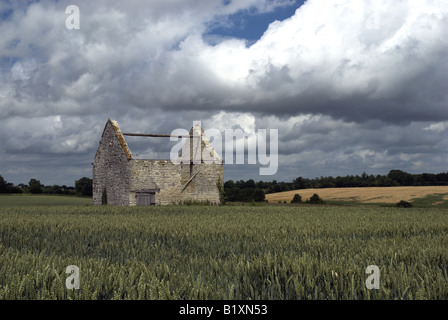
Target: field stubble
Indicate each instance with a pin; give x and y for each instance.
(370, 195)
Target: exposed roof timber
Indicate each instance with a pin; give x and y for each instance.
(121, 138)
(159, 135)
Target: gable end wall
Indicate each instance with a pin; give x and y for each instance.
(111, 169)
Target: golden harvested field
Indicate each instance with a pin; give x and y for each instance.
(363, 195)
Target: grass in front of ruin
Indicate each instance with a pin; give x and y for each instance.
(220, 252)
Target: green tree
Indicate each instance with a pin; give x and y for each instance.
(247, 194)
(84, 186)
(297, 198)
(55, 189)
(259, 195)
(233, 194)
(3, 185)
(250, 183)
(401, 177)
(8, 187)
(315, 199)
(404, 204)
(229, 184)
(34, 186)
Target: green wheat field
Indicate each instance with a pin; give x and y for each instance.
(220, 252)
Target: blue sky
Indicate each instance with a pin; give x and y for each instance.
(351, 86)
(251, 24)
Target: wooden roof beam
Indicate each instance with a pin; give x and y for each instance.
(158, 135)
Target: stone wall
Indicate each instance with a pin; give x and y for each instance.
(121, 177)
(111, 168)
(203, 187)
(168, 180)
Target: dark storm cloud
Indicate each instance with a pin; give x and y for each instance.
(360, 84)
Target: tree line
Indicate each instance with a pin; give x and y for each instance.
(245, 190)
(82, 187)
(250, 190)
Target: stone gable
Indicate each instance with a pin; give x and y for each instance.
(127, 181)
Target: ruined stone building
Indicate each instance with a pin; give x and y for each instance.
(119, 179)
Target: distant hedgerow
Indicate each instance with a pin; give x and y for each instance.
(404, 204)
(297, 198)
(315, 199)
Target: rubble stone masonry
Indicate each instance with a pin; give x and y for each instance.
(120, 177)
